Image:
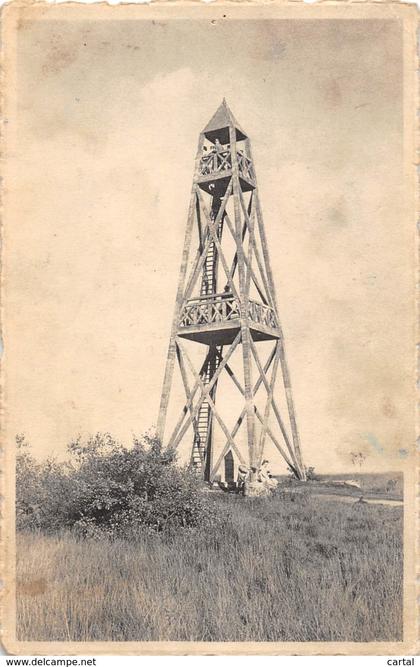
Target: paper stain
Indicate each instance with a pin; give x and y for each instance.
(372, 440)
(388, 408)
(336, 215)
(60, 55)
(331, 91)
(34, 587)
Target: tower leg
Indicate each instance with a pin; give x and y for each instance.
(283, 361)
(244, 303)
(170, 360)
(291, 410)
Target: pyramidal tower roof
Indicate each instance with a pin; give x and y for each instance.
(218, 125)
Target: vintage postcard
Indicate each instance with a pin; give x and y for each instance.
(208, 318)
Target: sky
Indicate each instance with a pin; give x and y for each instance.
(107, 122)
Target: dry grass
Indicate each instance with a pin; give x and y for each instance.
(290, 569)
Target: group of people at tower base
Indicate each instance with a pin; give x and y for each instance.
(252, 481)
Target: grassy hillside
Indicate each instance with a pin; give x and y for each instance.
(294, 568)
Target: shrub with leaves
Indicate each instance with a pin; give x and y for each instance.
(107, 488)
(42, 490)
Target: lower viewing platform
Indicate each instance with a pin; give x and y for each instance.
(216, 319)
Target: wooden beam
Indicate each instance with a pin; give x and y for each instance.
(258, 414)
(199, 226)
(234, 432)
(188, 395)
(244, 300)
(275, 408)
(235, 257)
(263, 237)
(269, 402)
(248, 260)
(187, 406)
(186, 383)
(294, 451)
(211, 228)
(284, 365)
(258, 382)
(248, 217)
(270, 434)
(226, 449)
(170, 359)
(218, 352)
(201, 255)
(291, 410)
(205, 395)
(247, 263)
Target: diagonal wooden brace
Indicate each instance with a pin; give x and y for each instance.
(206, 396)
(202, 253)
(206, 389)
(275, 408)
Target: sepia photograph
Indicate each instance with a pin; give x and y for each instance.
(208, 316)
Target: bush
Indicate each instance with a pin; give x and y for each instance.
(311, 475)
(42, 490)
(107, 488)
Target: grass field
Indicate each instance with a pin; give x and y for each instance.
(292, 568)
(372, 485)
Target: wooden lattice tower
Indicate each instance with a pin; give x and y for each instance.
(226, 306)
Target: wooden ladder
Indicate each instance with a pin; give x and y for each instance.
(203, 422)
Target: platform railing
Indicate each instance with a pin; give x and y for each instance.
(224, 307)
(217, 162)
(262, 314)
(245, 166)
(209, 309)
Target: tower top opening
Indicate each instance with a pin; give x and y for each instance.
(218, 126)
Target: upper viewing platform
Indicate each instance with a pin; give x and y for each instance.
(218, 160)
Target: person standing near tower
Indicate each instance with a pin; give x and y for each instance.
(218, 146)
(265, 476)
